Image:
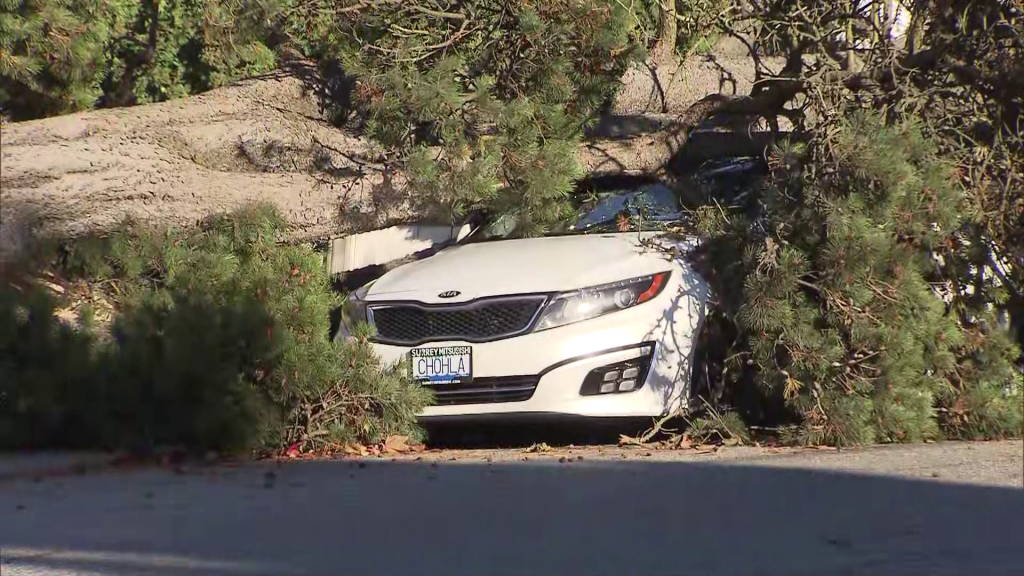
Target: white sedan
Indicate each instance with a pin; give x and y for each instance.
(588, 322)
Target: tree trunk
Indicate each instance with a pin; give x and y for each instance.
(664, 51)
(176, 162)
(262, 140)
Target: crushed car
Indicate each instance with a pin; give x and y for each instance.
(596, 319)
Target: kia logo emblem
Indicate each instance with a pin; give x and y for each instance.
(449, 294)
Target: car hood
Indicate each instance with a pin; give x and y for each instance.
(521, 266)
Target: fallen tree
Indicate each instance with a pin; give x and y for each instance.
(273, 139)
(265, 140)
(504, 105)
(176, 162)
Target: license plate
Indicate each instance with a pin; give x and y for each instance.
(442, 365)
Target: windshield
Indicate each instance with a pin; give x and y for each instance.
(649, 208)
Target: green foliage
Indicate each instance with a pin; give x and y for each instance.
(220, 343)
(697, 24)
(47, 375)
(52, 54)
(183, 374)
(985, 400)
(971, 98)
(834, 300)
(485, 102)
(59, 56)
(718, 426)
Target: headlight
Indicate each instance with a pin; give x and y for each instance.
(578, 305)
(353, 311)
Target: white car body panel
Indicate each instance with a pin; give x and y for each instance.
(521, 266)
(563, 355)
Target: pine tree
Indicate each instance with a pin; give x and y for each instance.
(829, 275)
(52, 54)
(220, 341)
(59, 56)
(176, 47)
(483, 103)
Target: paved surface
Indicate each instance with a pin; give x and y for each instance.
(931, 510)
(50, 464)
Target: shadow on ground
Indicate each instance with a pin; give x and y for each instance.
(524, 432)
(585, 517)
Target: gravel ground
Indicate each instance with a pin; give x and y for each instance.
(934, 509)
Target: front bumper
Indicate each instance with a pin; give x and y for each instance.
(560, 359)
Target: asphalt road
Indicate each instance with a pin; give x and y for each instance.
(942, 509)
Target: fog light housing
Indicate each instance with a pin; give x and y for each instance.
(620, 377)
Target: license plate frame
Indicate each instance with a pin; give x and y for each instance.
(440, 365)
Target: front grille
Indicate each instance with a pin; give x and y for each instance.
(410, 323)
(487, 390)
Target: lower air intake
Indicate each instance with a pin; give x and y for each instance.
(487, 390)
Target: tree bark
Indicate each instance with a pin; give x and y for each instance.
(664, 51)
(262, 140)
(177, 162)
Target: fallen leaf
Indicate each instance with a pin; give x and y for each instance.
(355, 450)
(731, 442)
(397, 444)
(542, 447)
(293, 450)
